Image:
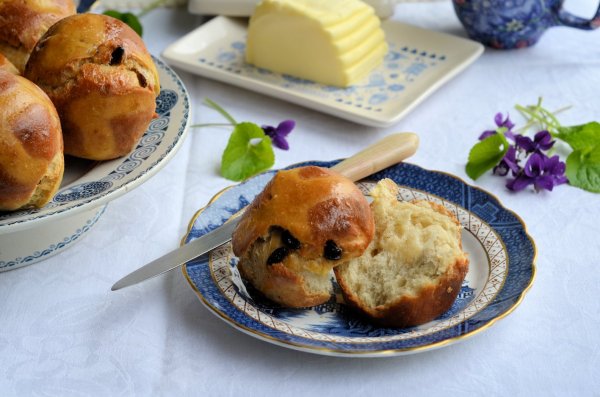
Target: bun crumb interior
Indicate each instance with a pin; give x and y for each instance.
(414, 267)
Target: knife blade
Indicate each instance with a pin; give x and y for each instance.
(388, 151)
(178, 257)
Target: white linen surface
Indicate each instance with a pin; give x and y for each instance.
(64, 333)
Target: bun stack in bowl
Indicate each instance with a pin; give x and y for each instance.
(88, 90)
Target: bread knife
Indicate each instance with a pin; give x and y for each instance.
(388, 151)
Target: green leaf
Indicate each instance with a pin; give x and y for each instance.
(581, 137)
(127, 17)
(486, 154)
(583, 169)
(248, 152)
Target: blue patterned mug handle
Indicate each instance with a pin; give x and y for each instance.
(565, 18)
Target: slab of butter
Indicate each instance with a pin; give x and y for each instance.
(333, 42)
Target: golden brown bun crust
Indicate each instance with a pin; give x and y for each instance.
(315, 205)
(102, 80)
(6, 65)
(23, 22)
(31, 146)
(432, 301)
(283, 285)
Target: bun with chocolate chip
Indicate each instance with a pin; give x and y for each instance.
(102, 80)
(306, 221)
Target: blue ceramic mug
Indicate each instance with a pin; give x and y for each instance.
(516, 23)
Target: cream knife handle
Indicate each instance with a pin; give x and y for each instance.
(384, 153)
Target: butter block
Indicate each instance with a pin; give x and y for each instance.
(333, 42)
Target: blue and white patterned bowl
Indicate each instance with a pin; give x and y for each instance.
(501, 271)
(29, 236)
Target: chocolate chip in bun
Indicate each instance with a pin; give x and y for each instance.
(23, 22)
(31, 146)
(102, 80)
(6, 65)
(306, 221)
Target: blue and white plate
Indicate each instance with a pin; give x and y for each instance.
(29, 236)
(418, 62)
(501, 270)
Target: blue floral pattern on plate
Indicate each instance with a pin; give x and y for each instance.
(402, 66)
(501, 271)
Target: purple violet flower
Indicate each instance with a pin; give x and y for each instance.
(540, 171)
(503, 123)
(541, 141)
(556, 168)
(279, 133)
(500, 123)
(509, 162)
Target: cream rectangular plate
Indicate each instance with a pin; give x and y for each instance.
(419, 61)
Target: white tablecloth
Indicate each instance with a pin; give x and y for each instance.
(64, 333)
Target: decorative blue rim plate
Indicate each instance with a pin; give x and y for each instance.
(501, 271)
